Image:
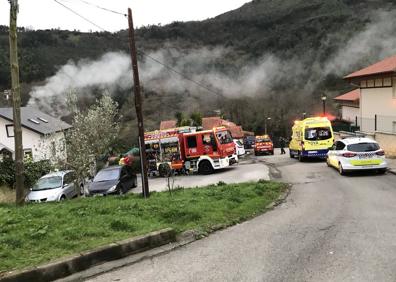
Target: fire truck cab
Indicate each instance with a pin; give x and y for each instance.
(206, 151)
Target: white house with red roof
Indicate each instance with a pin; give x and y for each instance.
(349, 103)
(43, 136)
(377, 101)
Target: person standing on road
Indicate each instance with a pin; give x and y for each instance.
(282, 144)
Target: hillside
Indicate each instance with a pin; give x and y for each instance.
(268, 58)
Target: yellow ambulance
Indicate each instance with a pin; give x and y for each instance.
(312, 138)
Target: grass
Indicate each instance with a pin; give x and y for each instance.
(38, 233)
(6, 195)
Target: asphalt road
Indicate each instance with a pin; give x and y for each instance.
(331, 228)
(246, 170)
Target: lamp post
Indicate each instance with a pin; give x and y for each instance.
(265, 124)
(324, 97)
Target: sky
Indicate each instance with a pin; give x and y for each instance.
(47, 14)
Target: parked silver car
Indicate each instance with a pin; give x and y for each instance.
(55, 186)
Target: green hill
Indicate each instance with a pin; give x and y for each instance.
(267, 58)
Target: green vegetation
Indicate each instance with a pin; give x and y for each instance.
(309, 32)
(38, 233)
(32, 172)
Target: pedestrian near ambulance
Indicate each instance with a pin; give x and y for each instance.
(282, 144)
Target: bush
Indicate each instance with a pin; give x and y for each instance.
(32, 172)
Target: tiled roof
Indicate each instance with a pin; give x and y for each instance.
(236, 131)
(36, 120)
(211, 122)
(387, 65)
(167, 124)
(351, 96)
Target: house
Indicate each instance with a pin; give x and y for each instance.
(349, 104)
(43, 136)
(377, 103)
(236, 131)
(168, 124)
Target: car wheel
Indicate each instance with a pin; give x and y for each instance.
(205, 167)
(62, 198)
(272, 152)
(300, 157)
(119, 191)
(382, 171)
(341, 169)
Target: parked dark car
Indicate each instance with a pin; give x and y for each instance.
(249, 142)
(113, 180)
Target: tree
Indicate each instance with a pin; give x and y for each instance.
(92, 134)
(196, 118)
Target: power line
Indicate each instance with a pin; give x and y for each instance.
(141, 52)
(103, 8)
(81, 16)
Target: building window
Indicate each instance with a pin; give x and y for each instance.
(27, 153)
(363, 84)
(388, 82)
(370, 83)
(10, 130)
(378, 82)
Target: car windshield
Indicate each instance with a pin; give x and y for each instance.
(363, 147)
(107, 174)
(239, 143)
(259, 140)
(224, 137)
(48, 183)
(319, 133)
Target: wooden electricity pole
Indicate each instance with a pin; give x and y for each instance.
(138, 106)
(16, 99)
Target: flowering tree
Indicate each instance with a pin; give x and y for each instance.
(92, 134)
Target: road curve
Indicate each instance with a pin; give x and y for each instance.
(331, 228)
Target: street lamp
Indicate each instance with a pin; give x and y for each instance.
(265, 124)
(7, 94)
(324, 97)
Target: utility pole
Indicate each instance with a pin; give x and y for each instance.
(138, 106)
(16, 99)
(265, 124)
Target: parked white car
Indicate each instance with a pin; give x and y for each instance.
(240, 149)
(357, 153)
(55, 186)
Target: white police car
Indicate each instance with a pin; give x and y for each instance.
(357, 153)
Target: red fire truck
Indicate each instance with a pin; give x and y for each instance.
(185, 150)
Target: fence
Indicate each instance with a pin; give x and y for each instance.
(377, 123)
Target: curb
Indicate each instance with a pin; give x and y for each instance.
(392, 171)
(73, 264)
(185, 238)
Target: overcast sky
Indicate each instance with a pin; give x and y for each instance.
(46, 14)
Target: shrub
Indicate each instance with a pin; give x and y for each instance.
(32, 172)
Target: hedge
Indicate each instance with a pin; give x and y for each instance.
(32, 172)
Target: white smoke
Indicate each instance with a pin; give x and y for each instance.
(204, 65)
(376, 42)
(113, 70)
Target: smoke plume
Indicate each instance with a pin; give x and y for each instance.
(301, 74)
